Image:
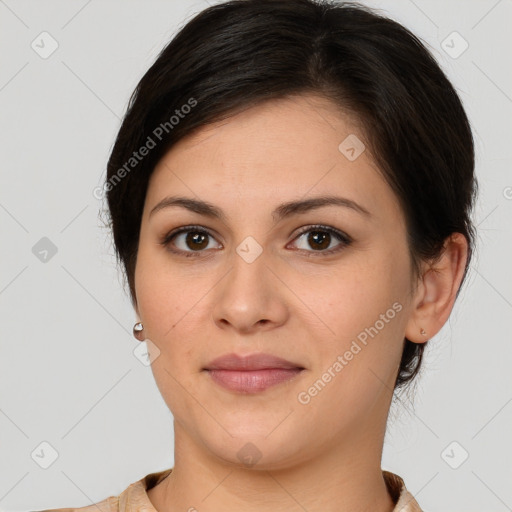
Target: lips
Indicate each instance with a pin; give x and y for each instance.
(251, 374)
(251, 362)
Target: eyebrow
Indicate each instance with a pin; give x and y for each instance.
(282, 211)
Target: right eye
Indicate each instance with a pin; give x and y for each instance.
(190, 237)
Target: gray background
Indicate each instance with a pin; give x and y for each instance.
(68, 376)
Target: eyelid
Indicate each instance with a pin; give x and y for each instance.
(322, 227)
(166, 240)
(344, 239)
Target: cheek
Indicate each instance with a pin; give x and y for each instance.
(162, 293)
(166, 307)
(351, 298)
(364, 308)
(171, 304)
(155, 303)
(357, 364)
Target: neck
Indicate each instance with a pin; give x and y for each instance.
(347, 478)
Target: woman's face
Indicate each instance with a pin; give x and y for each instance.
(264, 282)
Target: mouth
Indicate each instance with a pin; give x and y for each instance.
(253, 373)
(253, 381)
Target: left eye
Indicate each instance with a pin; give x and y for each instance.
(320, 238)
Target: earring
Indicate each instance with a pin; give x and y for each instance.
(423, 332)
(137, 330)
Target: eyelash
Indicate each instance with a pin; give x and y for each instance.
(339, 235)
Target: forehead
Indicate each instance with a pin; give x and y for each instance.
(280, 149)
(302, 124)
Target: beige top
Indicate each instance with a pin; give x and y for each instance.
(135, 499)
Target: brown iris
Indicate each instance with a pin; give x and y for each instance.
(318, 238)
(197, 240)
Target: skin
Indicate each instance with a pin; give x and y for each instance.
(321, 455)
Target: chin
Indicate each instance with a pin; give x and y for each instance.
(256, 452)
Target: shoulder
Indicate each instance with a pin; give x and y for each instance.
(133, 499)
(110, 504)
(405, 501)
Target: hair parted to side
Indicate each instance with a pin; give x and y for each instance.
(237, 54)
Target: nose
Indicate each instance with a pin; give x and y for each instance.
(251, 297)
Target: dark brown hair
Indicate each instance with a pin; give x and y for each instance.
(236, 54)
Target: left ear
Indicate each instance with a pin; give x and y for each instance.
(437, 290)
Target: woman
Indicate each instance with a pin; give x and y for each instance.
(290, 196)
